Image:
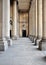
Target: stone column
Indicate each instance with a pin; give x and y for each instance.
(44, 33)
(40, 23)
(3, 43)
(6, 17)
(31, 18)
(17, 24)
(15, 17)
(5, 23)
(36, 13)
(43, 44)
(40, 19)
(1, 19)
(30, 21)
(36, 18)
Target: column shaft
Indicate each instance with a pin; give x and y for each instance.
(40, 19)
(4, 23)
(36, 18)
(6, 17)
(44, 14)
(0, 19)
(15, 20)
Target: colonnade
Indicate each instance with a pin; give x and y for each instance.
(5, 40)
(15, 20)
(37, 19)
(35, 15)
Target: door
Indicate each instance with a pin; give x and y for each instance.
(23, 33)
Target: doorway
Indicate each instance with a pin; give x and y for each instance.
(23, 33)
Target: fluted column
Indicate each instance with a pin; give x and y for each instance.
(40, 18)
(5, 23)
(0, 19)
(15, 17)
(31, 18)
(6, 18)
(36, 18)
(44, 32)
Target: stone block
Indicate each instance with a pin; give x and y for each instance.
(3, 45)
(9, 41)
(14, 38)
(38, 40)
(44, 46)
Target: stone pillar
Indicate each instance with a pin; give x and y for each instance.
(42, 45)
(44, 28)
(6, 17)
(31, 18)
(36, 18)
(30, 21)
(0, 19)
(36, 13)
(6, 21)
(40, 23)
(40, 19)
(15, 16)
(17, 25)
(3, 44)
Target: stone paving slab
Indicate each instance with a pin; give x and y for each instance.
(22, 52)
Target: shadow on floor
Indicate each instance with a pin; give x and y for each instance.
(44, 58)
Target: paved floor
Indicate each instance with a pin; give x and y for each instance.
(22, 52)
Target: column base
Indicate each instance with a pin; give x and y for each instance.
(35, 41)
(14, 38)
(42, 45)
(39, 41)
(3, 45)
(31, 38)
(9, 41)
